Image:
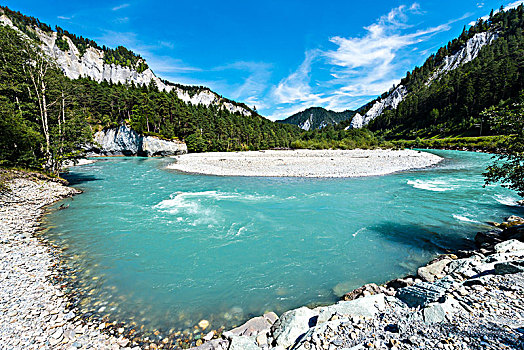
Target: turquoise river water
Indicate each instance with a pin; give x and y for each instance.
(166, 250)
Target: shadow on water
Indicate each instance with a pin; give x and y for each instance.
(79, 178)
(429, 238)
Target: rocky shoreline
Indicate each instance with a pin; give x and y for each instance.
(465, 300)
(34, 310)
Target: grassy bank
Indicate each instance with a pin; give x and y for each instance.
(481, 143)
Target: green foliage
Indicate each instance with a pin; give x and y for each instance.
(25, 23)
(19, 137)
(508, 167)
(319, 117)
(124, 57)
(31, 138)
(330, 138)
(62, 43)
(195, 143)
(483, 143)
(76, 107)
(80, 42)
(452, 104)
(150, 111)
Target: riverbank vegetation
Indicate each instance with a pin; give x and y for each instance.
(451, 103)
(47, 118)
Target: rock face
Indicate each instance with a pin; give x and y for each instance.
(91, 64)
(307, 124)
(363, 307)
(292, 325)
(125, 141)
(389, 102)
(466, 54)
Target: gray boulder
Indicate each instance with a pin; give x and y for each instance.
(243, 343)
(509, 267)
(366, 307)
(255, 326)
(292, 325)
(509, 246)
(464, 267)
(421, 294)
(433, 271)
(439, 312)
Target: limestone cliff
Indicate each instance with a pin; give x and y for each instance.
(466, 54)
(125, 141)
(389, 102)
(91, 64)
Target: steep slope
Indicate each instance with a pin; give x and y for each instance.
(479, 69)
(317, 118)
(91, 61)
(47, 117)
(468, 52)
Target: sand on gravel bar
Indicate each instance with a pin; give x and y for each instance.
(304, 163)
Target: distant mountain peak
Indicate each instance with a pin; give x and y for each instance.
(317, 118)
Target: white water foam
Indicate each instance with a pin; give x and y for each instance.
(432, 185)
(185, 205)
(506, 200)
(359, 230)
(465, 218)
(190, 199)
(191, 209)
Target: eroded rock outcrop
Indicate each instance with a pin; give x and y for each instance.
(91, 64)
(466, 54)
(389, 102)
(125, 141)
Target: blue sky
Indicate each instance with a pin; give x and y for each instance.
(280, 56)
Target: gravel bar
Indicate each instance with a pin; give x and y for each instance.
(304, 163)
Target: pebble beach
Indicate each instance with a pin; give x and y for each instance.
(304, 163)
(461, 300)
(33, 308)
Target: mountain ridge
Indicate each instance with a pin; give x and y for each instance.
(394, 97)
(449, 93)
(90, 61)
(317, 118)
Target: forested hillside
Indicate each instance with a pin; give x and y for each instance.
(46, 117)
(451, 103)
(317, 118)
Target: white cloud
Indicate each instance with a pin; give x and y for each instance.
(119, 7)
(367, 65)
(256, 82)
(360, 67)
(122, 20)
(64, 17)
(296, 87)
